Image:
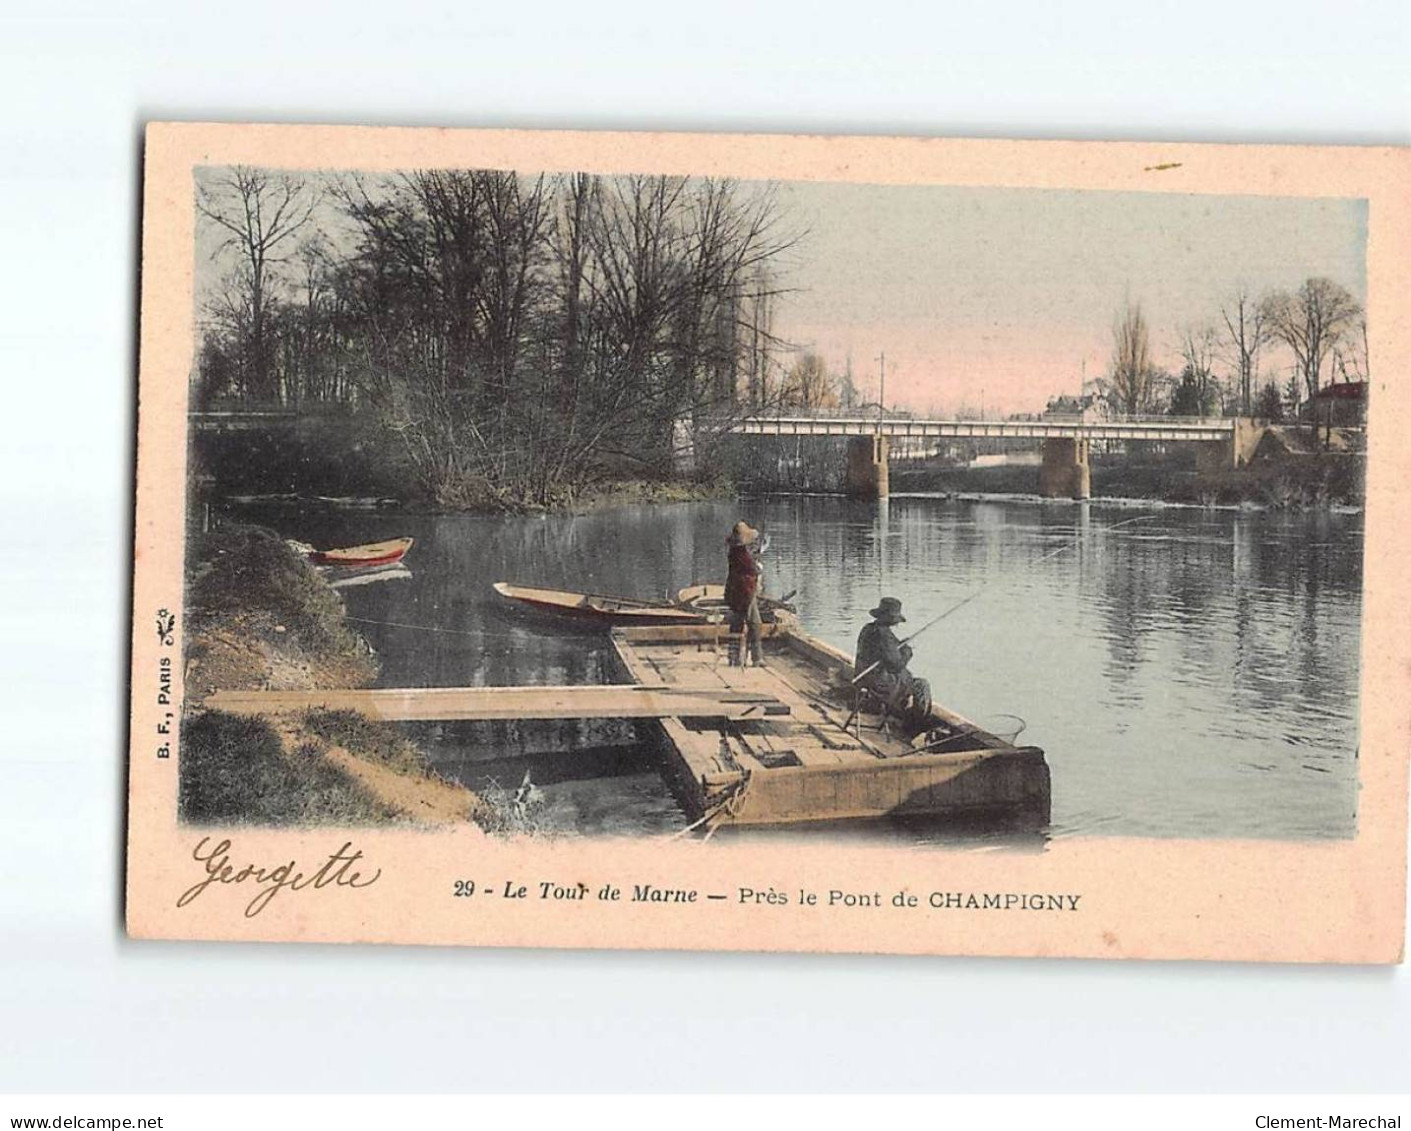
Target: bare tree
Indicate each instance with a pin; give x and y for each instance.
(757, 315)
(261, 212)
(808, 384)
(515, 336)
(1132, 375)
(571, 227)
(1198, 343)
(1311, 321)
(1350, 355)
(730, 239)
(1246, 333)
(517, 216)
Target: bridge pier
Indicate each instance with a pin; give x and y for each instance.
(1236, 451)
(1245, 439)
(1065, 472)
(1214, 457)
(867, 467)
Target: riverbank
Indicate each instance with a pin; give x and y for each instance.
(1303, 484)
(582, 498)
(346, 461)
(259, 616)
(589, 499)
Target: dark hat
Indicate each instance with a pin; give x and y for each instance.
(888, 611)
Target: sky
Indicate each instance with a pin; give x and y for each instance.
(1006, 294)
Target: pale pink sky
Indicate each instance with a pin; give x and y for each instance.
(1012, 290)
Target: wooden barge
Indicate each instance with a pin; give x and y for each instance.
(808, 763)
(771, 745)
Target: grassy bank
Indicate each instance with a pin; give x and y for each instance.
(603, 496)
(259, 616)
(238, 770)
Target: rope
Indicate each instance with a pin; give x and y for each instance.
(729, 805)
(433, 628)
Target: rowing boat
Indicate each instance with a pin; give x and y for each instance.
(598, 609)
(360, 557)
(709, 598)
(814, 763)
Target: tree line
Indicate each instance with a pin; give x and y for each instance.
(511, 335)
(1320, 323)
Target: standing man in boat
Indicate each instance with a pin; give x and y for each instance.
(902, 694)
(742, 594)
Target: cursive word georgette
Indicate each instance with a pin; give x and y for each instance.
(272, 880)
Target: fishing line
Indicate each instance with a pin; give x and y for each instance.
(966, 600)
(434, 628)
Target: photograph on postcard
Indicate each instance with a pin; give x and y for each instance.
(626, 450)
(578, 506)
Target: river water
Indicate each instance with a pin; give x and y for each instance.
(1193, 673)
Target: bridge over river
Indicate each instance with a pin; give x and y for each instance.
(1066, 441)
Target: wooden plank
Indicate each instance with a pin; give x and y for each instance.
(411, 704)
(839, 776)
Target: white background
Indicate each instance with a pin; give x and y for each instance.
(83, 1008)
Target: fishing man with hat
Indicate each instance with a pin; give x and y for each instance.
(884, 659)
(742, 593)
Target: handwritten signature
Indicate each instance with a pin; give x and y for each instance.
(334, 871)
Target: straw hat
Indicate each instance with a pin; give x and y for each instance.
(743, 534)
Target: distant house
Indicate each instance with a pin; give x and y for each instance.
(1087, 409)
(1340, 405)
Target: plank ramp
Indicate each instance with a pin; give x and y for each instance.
(487, 704)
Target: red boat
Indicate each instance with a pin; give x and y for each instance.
(360, 557)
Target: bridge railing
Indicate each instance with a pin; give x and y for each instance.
(900, 416)
(1128, 418)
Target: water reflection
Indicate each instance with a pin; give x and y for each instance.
(1191, 673)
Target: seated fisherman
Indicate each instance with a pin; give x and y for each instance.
(879, 650)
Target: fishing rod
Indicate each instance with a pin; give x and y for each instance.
(966, 600)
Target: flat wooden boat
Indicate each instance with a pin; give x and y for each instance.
(808, 765)
(361, 557)
(598, 609)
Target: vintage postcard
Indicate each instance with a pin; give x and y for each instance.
(772, 543)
